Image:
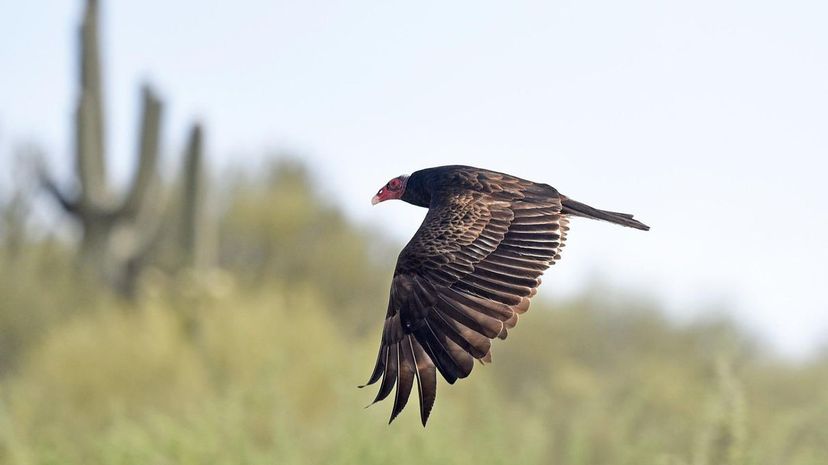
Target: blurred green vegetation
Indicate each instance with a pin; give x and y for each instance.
(256, 361)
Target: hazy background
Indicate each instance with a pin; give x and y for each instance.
(702, 341)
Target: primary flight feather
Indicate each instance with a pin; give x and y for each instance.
(467, 273)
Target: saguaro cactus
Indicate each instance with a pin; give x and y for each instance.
(119, 231)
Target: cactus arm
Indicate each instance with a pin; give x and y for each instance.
(90, 157)
(147, 154)
(69, 205)
(191, 197)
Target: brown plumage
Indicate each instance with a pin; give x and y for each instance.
(467, 273)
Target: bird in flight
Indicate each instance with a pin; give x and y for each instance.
(467, 273)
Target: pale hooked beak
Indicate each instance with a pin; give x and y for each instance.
(375, 200)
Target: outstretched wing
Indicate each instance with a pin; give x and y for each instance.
(461, 281)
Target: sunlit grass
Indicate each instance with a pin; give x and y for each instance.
(270, 378)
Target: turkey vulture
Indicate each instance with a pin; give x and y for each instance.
(467, 273)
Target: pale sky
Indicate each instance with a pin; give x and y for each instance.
(707, 119)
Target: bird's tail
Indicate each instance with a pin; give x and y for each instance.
(575, 208)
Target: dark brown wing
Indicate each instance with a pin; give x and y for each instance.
(462, 280)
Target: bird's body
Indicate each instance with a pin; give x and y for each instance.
(467, 273)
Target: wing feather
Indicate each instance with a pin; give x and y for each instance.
(469, 317)
(426, 379)
(468, 339)
(379, 366)
(389, 377)
(405, 376)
